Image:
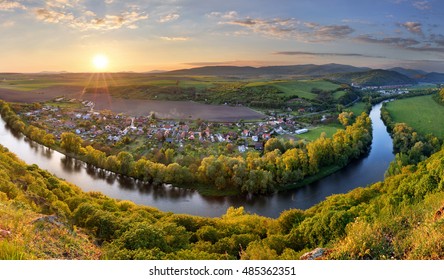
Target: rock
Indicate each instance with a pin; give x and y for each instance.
(438, 214)
(314, 255)
(4, 233)
(53, 219)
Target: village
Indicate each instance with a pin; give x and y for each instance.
(108, 128)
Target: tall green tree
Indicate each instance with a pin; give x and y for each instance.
(71, 142)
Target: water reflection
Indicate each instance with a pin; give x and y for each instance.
(361, 172)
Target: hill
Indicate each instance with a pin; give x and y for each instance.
(432, 77)
(290, 70)
(411, 73)
(373, 78)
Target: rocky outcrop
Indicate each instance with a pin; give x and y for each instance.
(316, 254)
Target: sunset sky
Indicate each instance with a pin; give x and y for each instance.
(62, 35)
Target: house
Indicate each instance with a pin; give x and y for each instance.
(301, 131)
(259, 146)
(266, 136)
(242, 148)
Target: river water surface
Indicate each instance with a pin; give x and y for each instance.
(361, 172)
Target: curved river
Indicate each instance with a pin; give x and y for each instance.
(362, 172)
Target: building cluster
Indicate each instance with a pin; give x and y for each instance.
(93, 125)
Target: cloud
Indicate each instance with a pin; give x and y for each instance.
(326, 54)
(434, 45)
(227, 15)
(89, 20)
(277, 27)
(393, 41)
(331, 32)
(422, 5)
(52, 16)
(169, 17)
(285, 28)
(11, 5)
(166, 38)
(413, 27)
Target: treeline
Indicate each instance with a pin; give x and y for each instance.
(409, 146)
(399, 218)
(378, 98)
(439, 97)
(283, 162)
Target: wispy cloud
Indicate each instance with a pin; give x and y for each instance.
(434, 44)
(169, 17)
(272, 27)
(422, 5)
(392, 41)
(166, 38)
(331, 32)
(288, 28)
(326, 54)
(11, 5)
(413, 27)
(89, 21)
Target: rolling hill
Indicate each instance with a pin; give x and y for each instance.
(373, 78)
(290, 70)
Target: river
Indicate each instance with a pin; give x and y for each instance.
(361, 172)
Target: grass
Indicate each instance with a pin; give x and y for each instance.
(314, 133)
(28, 85)
(357, 108)
(303, 87)
(338, 94)
(422, 113)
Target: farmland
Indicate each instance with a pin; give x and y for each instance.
(422, 113)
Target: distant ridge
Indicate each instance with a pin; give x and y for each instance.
(411, 73)
(373, 78)
(297, 70)
(432, 78)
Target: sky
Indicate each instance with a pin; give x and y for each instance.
(141, 36)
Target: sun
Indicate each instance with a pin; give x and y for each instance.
(100, 62)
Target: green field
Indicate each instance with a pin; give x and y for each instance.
(357, 108)
(27, 85)
(303, 88)
(422, 113)
(314, 133)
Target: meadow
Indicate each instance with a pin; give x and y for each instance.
(422, 113)
(315, 132)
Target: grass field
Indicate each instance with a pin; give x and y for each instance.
(314, 133)
(357, 108)
(27, 85)
(421, 113)
(303, 87)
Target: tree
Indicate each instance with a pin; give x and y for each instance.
(273, 144)
(48, 140)
(126, 160)
(71, 142)
(345, 118)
